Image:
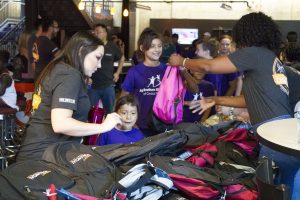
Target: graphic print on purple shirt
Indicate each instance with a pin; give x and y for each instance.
(116, 136)
(221, 81)
(143, 82)
(206, 89)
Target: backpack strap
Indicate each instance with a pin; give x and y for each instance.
(147, 170)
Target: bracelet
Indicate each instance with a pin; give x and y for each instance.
(183, 63)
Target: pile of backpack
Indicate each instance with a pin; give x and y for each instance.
(191, 162)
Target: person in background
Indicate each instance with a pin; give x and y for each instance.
(118, 41)
(20, 61)
(206, 36)
(60, 102)
(105, 78)
(168, 47)
(8, 94)
(176, 44)
(267, 98)
(291, 40)
(58, 36)
(127, 108)
(225, 45)
(192, 49)
(44, 50)
(292, 56)
(225, 83)
(206, 49)
(34, 35)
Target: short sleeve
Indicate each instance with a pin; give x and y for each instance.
(245, 58)
(128, 83)
(65, 89)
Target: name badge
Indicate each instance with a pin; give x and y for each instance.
(280, 79)
(36, 100)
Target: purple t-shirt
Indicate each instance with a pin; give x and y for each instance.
(206, 89)
(221, 81)
(116, 136)
(143, 82)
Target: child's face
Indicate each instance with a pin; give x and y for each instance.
(154, 52)
(128, 115)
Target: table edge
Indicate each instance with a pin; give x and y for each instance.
(278, 147)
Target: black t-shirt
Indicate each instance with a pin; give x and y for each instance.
(265, 99)
(63, 88)
(43, 52)
(103, 77)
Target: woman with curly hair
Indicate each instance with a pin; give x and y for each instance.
(265, 87)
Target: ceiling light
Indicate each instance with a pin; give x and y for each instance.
(81, 5)
(98, 9)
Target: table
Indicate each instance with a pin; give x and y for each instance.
(280, 135)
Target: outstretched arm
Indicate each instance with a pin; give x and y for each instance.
(219, 65)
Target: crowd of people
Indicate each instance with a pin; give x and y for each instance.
(250, 75)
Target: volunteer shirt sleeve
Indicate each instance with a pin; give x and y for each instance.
(66, 90)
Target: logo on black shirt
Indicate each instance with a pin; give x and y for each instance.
(279, 76)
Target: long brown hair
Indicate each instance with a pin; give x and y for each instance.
(73, 54)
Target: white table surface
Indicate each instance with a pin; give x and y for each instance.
(280, 135)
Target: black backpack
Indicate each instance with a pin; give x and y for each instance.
(169, 143)
(30, 179)
(94, 175)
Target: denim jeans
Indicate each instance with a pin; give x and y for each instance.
(107, 96)
(296, 190)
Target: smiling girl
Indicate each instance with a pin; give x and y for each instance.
(143, 80)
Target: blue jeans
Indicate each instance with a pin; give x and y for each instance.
(296, 191)
(288, 165)
(107, 96)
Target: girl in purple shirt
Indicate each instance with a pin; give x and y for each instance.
(127, 108)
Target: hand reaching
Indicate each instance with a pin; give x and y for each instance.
(201, 105)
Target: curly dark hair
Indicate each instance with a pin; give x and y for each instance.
(257, 29)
